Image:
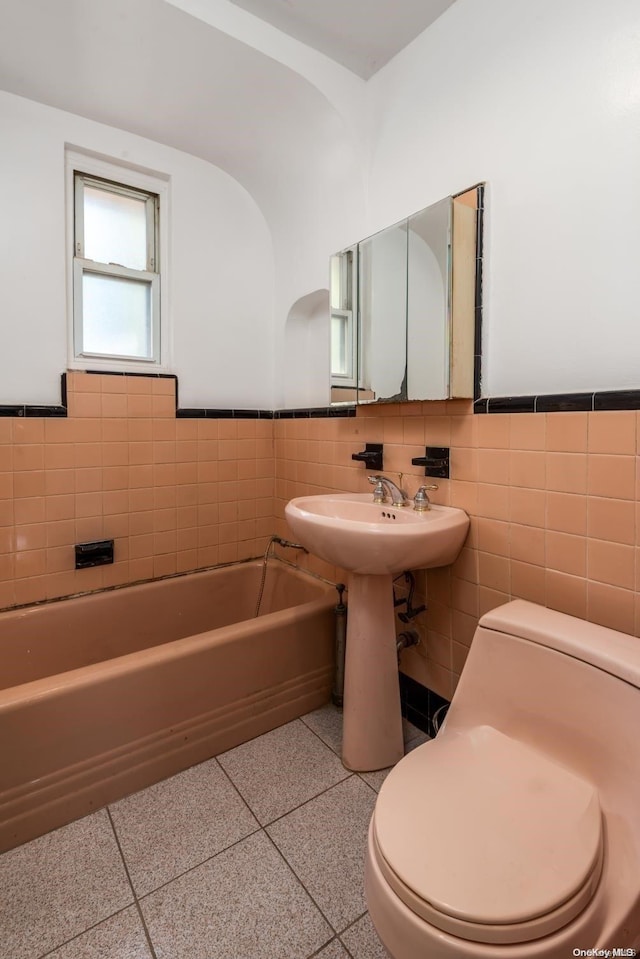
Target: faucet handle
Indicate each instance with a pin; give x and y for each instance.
(379, 493)
(421, 499)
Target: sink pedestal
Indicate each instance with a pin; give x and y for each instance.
(372, 719)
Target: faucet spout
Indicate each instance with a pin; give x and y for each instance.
(397, 495)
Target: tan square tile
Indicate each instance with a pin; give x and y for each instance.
(611, 519)
(527, 431)
(57, 886)
(567, 594)
(281, 769)
(527, 468)
(335, 950)
(493, 431)
(244, 902)
(610, 606)
(493, 571)
(566, 553)
(612, 476)
(566, 472)
(527, 544)
(313, 840)
(566, 432)
(612, 432)
(171, 827)
(362, 941)
(122, 935)
(493, 466)
(612, 563)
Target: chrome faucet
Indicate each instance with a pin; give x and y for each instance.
(384, 487)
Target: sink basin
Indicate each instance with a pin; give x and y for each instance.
(351, 531)
(374, 542)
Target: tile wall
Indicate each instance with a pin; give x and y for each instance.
(174, 494)
(553, 500)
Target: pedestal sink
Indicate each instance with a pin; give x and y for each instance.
(374, 542)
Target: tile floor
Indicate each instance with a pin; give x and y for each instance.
(256, 854)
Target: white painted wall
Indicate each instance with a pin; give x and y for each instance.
(222, 325)
(306, 353)
(541, 100)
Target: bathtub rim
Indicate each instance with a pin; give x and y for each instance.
(12, 697)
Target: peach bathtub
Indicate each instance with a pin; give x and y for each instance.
(105, 694)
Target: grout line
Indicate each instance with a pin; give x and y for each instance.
(350, 926)
(319, 951)
(307, 801)
(315, 733)
(135, 897)
(197, 865)
(302, 885)
(95, 925)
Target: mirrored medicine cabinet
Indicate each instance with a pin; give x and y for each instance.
(403, 305)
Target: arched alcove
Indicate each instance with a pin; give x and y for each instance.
(306, 352)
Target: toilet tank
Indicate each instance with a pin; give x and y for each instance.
(566, 687)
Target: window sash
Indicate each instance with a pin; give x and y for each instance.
(80, 267)
(151, 210)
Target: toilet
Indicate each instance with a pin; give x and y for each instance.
(516, 832)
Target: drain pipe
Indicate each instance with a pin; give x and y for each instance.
(337, 693)
(406, 639)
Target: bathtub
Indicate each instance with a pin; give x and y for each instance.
(107, 693)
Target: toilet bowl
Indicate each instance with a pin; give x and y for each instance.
(516, 832)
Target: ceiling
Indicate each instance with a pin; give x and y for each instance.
(362, 35)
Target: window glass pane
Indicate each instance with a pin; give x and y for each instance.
(340, 282)
(117, 316)
(339, 353)
(115, 228)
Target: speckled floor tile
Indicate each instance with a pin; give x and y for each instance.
(326, 723)
(243, 903)
(335, 950)
(281, 769)
(361, 939)
(121, 937)
(376, 778)
(413, 737)
(59, 885)
(178, 823)
(324, 843)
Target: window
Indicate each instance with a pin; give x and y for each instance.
(116, 320)
(343, 320)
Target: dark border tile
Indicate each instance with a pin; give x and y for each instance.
(419, 703)
(187, 414)
(564, 402)
(480, 406)
(45, 411)
(157, 376)
(315, 412)
(511, 404)
(617, 400)
(7, 410)
(213, 414)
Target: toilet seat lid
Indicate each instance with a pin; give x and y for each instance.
(490, 836)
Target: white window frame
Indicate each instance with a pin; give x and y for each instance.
(350, 378)
(138, 184)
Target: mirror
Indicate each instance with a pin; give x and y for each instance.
(403, 306)
(382, 312)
